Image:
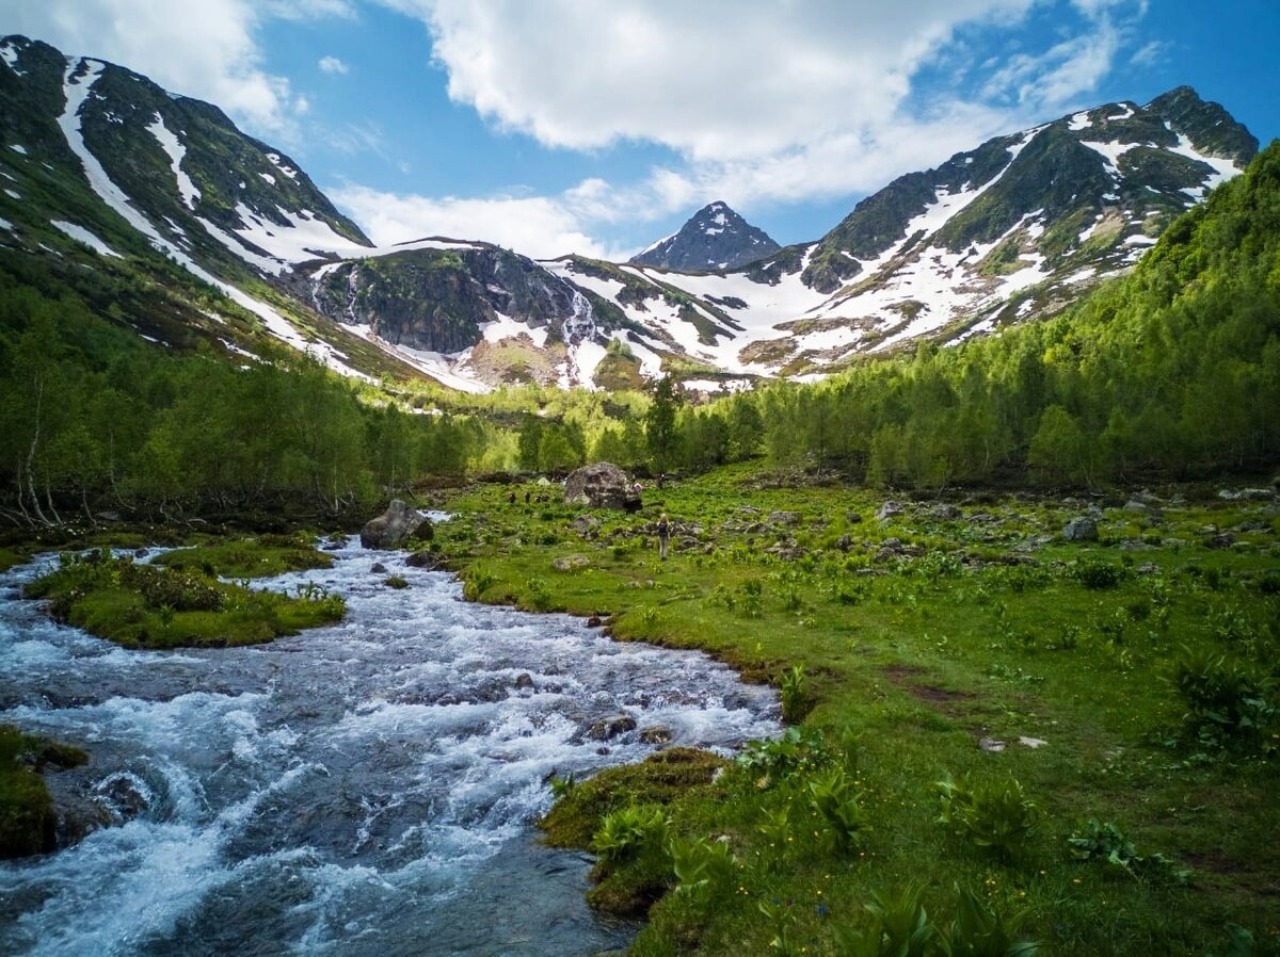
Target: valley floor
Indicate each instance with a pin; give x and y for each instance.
(1069, 741)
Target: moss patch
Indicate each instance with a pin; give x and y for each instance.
(143, 606)
(27, 818)
(262, 557)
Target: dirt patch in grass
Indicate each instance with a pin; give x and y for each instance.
(946, 700)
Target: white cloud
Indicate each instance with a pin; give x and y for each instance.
(539, 226)
(714, 80)
(331, 64)
(1068, 69)
(765, 103)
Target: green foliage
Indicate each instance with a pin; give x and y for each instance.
(996, 817)
(27, 816)
(901, 927)
(1098, 576)
(265, 556)
(139, 605)
(703, 868)
(630, 832)
(563, 787)
(793, 694)
(979, 931)
(1229, 706)
(1105, 842)
(835, 796)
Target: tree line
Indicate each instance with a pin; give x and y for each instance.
(93, 419)
(1172, 371)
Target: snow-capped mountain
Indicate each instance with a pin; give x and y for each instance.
(1015, 229)
(715, 238)
(101, 168)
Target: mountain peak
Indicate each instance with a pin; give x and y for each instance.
(715, 238)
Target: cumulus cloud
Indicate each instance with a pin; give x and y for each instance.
(708, 79)
(331, 64)
(769, 103)
(539, 226)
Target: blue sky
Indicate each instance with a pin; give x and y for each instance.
(599, 126)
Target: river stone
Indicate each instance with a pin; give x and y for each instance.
(570, 563)
(1219, 540)
(426, 559)
(1081, 529)
(655, 735)
(394, 527)
(610, 726)
(601, 485)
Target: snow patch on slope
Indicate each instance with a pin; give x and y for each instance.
(77, 84)
(82, 235)
(169, 142)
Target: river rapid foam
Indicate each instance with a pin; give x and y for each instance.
(367, 788)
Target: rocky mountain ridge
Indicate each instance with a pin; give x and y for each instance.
(102, 167)
(715, 238)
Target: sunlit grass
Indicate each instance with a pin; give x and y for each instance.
(971, 643)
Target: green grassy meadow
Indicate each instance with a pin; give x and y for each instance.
(997, 735)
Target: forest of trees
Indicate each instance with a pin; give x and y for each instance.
(1172, 371)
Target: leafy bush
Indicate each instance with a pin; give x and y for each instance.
(1105, 842)
(1098, 576)
(993, 816)
(1228, 704)
(837, 801)
(793, 694)
(626, 834)
(799, 749)
(902, 927)
(702, 868)
(979, 931)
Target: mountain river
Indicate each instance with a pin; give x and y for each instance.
(362, 789)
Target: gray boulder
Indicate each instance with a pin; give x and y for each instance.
(1082, 529)
(602, 485)
(394, 527)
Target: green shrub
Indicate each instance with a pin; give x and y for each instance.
(1098, 576)
(798, 750)
(979, 931)
(703, 869)
(627, 834)
(1228, 704)
(995, 817)
(838, 802)
(901, 928)
(793, 694)
(1105, 842)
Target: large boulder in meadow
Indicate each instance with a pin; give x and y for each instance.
(394, 527)
(1081, 529)
(602, 485)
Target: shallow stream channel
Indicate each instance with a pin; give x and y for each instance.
(368, 788)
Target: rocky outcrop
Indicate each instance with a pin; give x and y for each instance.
(602, 485)
(394, 527)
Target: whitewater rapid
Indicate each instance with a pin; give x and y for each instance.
(367, 788)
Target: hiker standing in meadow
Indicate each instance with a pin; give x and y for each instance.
(664, 535)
